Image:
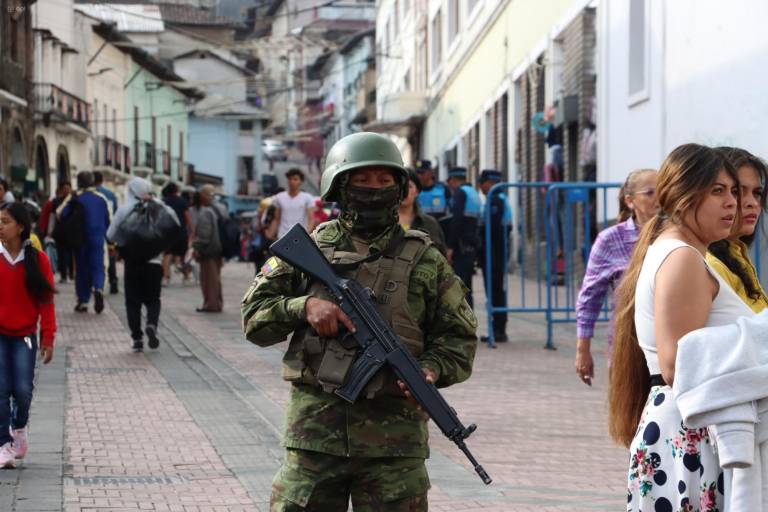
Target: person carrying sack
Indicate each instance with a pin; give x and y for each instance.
(143, 228)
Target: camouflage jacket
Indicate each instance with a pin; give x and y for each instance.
(385, 426)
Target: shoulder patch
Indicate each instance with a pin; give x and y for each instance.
(270, 266)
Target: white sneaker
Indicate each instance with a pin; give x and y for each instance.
(20, 442)
(7, 456)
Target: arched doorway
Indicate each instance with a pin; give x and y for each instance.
(18, 161)
(41, 164)
(62, 165)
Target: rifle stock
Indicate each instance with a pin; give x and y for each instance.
(378, 343)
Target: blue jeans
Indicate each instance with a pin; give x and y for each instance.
(17, 372)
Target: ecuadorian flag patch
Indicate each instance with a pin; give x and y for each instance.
(270, 266)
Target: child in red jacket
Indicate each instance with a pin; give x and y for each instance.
(26, 298)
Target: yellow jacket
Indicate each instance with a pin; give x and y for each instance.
(740, 252)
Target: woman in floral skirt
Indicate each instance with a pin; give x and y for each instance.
(668, 291)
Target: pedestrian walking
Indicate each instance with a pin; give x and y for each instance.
(608, 260)
(208, 251)
(501, 225)
(142, 277)
(26, 300)
(6, 196)
(667, 291)
(176, 253)
(462, 232)
(411, 216)
(293, 206)
(373, 450)
(98, 182)
(65, 258)
(730, 257)
(92, 213)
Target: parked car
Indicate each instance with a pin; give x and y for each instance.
(274, 149)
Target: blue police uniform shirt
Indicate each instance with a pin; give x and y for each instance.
(433, 201)
(466, 209)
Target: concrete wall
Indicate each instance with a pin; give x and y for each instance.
(166, 104)
(707, 76)
(213, 148)
(480, 63)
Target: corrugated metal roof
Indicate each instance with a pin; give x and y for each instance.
(128, 17)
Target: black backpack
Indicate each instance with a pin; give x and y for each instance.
(148, 230)
(70, 230)
(229, 234)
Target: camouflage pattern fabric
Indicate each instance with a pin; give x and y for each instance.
(317, 482)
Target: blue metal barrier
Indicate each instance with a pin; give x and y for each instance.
(555, 291)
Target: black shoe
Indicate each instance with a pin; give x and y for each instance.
(497, 338)
(98, 301)
(151, 332)
(81, 308)
(113, 290)
(138, 346)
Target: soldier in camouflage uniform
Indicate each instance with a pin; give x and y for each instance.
(373, 450)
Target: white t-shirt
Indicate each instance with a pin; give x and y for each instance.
(293, 210)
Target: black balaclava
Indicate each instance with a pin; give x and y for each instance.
(366, 211)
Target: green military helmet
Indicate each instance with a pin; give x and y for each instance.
(364, 149)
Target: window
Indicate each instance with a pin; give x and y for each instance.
(407, 80)
(422, 76)
(96, 117)
(114, 124)
(14, 20)
(472, 150)
(638, 51)
(437, 41)
(453, 20)
(246, 126)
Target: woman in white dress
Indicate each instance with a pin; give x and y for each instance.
(667, 292)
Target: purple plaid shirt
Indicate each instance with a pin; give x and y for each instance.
(608, 260)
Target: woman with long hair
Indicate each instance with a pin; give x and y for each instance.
(730, 257)
(608, 260)
(26, 298)
(668, 291)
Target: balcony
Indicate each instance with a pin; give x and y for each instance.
(110, 154)
(163, 160)
(55, 104)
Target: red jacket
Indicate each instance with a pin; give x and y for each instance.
(19, 310)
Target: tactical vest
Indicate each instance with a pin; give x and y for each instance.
(325, 361)
(433, 201)
(506, 219)
(473, 205)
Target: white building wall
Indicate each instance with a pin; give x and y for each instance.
(707, 79)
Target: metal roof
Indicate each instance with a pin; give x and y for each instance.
(128, 17)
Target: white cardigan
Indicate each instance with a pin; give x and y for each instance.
(721, 382)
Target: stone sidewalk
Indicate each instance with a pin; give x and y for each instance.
(195, 425)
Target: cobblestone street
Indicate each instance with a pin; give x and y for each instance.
(195, 425)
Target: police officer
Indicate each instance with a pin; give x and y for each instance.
(433, 196)
(501, 222)
(372, 451)
(462, 232)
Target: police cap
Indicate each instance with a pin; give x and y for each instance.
(489, 174)
(423, 165)
(458, 172)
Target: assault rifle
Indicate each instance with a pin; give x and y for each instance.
(378, 344)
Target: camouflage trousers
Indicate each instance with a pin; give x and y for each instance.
(318, 482)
